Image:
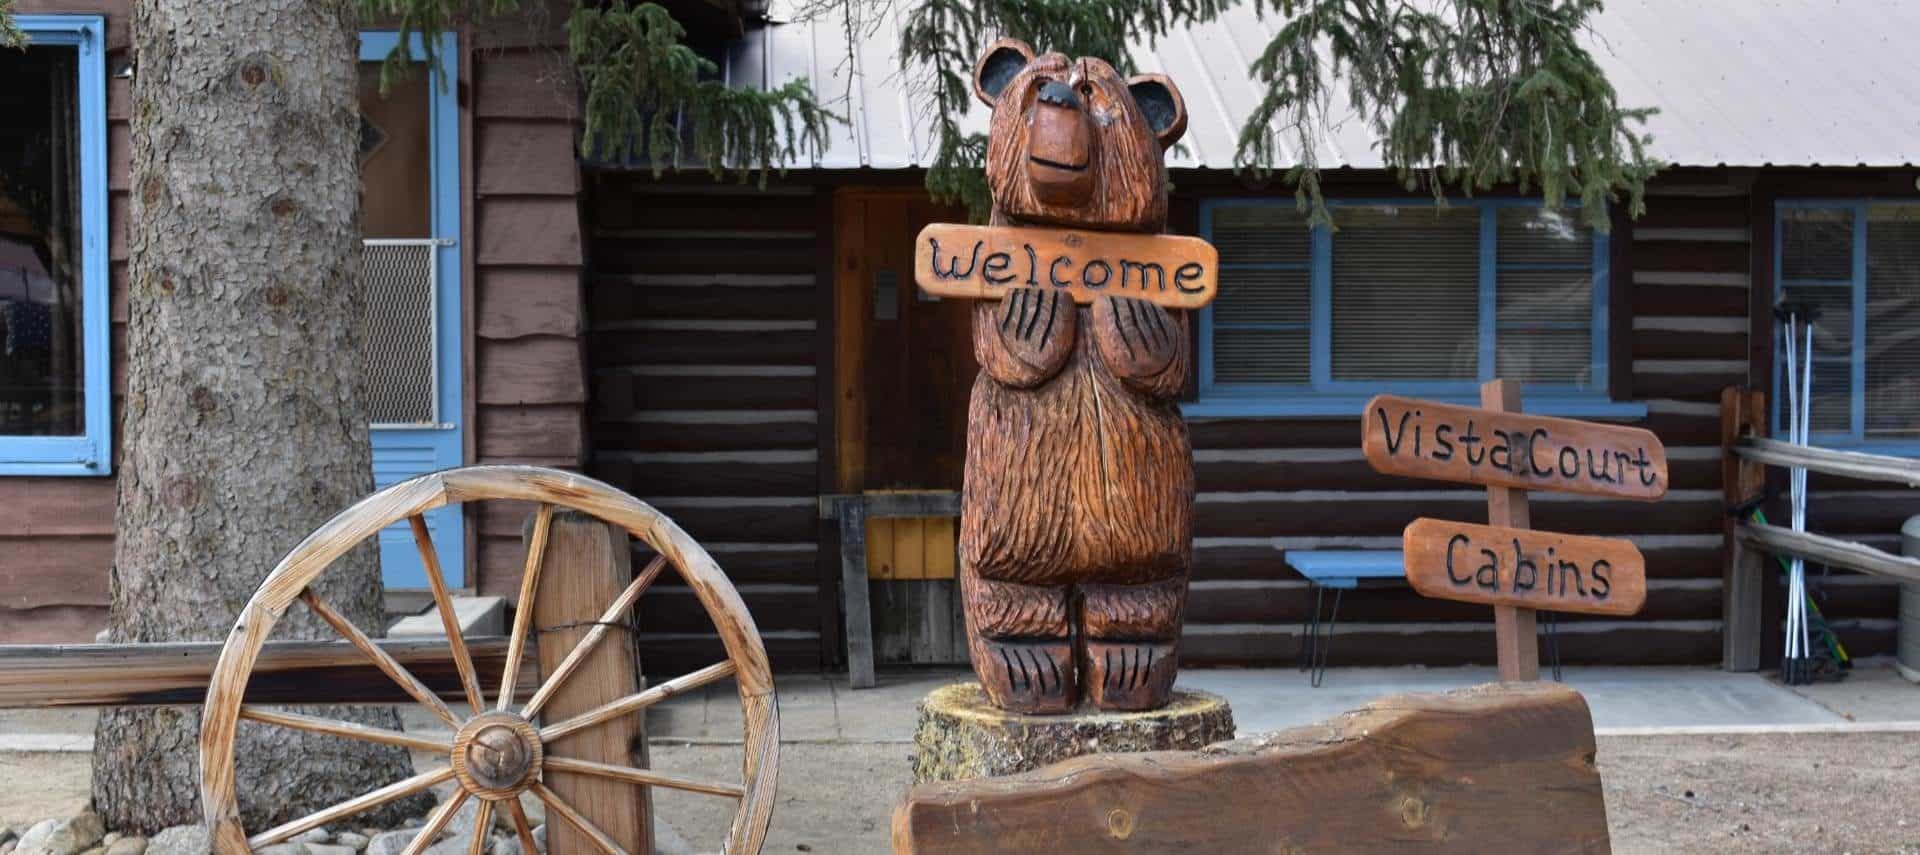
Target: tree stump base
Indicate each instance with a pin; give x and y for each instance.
(961, 735)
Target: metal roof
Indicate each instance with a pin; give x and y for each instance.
(1737, 83)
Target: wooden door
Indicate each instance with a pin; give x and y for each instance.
(904, 372)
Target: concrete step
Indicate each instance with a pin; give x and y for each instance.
(475, 616)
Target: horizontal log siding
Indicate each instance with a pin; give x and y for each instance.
(528, 256)
(56, 536)
(1270, 485)
(701, 341)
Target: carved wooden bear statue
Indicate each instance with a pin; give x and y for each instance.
(1076, 537)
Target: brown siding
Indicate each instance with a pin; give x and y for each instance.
(529, 377)
(702, 343)
(56, 536)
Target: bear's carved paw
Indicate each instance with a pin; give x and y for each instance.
(1131, 675)
(1027, 676)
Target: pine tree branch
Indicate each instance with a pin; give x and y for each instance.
(10, 35)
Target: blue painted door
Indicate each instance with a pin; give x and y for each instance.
(410, 215)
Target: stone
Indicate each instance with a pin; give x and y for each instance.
(667, 840)
(540, 836)
(7, 835)
(111, 838)
(288, 848)
(8, 847)
(313, 835)
(961, 735)
(330, 849)
(391, 842)
(128, 846)
(97, 850)
(352, 840)
(63, 836)
(181, 840)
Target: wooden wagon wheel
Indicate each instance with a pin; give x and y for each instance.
(498, 752)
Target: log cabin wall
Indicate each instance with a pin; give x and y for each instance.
(56, 534)
(703, 306)
(526, 371)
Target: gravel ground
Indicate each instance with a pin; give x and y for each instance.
(1665, 794)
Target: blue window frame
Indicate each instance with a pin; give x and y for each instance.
(1857, 262)
(47, 427)
(1306, 345)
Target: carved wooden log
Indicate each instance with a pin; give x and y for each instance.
(962, 735)
(1496, 768)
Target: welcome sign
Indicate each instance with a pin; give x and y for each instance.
(984, 262)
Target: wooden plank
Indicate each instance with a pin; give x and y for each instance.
(54, 571)
(1743, 414)
(722, 476)
(1852, 464)
(941, 558)
(525, 84)
(1520, 567)
(534, 370)
(529, 231)
(880, 554)
(1668, 344)
(287, 672)
(636, 435)
(51, 624)
(539, 431)
(1384, 778)
(1694, 256)
(1376, 514)
(1829, 550)
(701, 346)
(526, 157)
(56, 506)
(515, 302)
(616, 298)
(1428, 439)
(586, 568)
(694, 253)
(982, 262)
(853, 594)
(618, 393)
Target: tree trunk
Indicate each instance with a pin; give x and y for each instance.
(244, 428)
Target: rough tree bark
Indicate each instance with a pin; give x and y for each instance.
(243, 427)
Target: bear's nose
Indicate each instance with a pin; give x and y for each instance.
(1059, 94)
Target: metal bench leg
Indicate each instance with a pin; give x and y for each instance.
(1553, 643)
(1310, 627)
(1322, 647)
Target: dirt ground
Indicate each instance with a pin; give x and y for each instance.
(1837, 793)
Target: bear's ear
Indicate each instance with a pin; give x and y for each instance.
(997, 68)
(1160, 100)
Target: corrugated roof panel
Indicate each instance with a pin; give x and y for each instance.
(1737, 82)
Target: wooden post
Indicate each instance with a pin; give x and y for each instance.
(1515, 637)
(853, 584)
(588, 564)
(1742, 413)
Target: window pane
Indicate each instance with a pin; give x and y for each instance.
(41, 343)
(1816, 243)
(1893, 321)
(1532, 297)
(1406, 285)
(1263, 297)
(1535, 235)
(1832, 355)
(1260, 356)
(1261, 234)
(1559, 356)
(396, 161)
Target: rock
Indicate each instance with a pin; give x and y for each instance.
(7, 847)
(283, 849)
(668, 841)
(313, 835)
(63, 837)
(330, 849)
(181, 840)
(97, 850)
(7, 835)
(128, 846)
(351, 839)
(540, 836)
(391, 842)
(111, 838)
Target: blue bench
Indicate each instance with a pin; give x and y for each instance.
(1341, 570)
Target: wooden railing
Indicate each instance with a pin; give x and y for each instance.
(1746, 454)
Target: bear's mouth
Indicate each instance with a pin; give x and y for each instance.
(1070, 167)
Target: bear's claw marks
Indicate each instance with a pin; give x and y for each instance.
(1130, 676)
(1142, 343)
(1026, 337)
(1027, 676)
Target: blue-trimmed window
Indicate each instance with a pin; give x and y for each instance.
(1856, 263)
(55, 398)
(1404, 296)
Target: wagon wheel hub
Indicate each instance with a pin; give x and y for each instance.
(496, 755)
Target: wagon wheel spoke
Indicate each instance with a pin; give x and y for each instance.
(344, 729)
(642, 776)
(457, 643)
(393, 669)
(437, 822)
(523, 612)
(565, 811)
(521, 826)
(398, 789)
(639, 701)
(482, 828)
(579, 653)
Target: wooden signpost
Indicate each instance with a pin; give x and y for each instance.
(983, 262)
(1506, 564)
